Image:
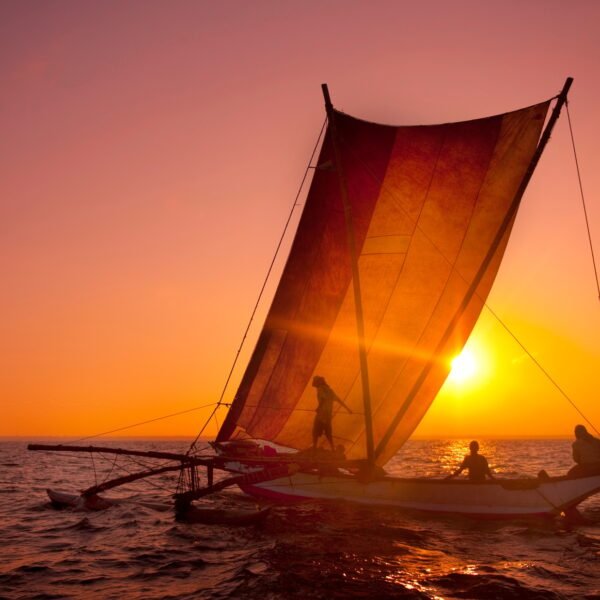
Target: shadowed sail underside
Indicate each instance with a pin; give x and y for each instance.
(427, 204)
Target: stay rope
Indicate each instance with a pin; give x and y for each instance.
(540, 367)
(176, 414)
(587, 223)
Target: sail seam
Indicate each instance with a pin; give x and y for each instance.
(331, 209)
(472, 291)
(400, 271)
(451, 270)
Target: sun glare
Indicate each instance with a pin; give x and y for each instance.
(464, 367)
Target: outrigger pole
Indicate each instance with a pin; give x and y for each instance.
(360, 326)
(105, 450)
(268, 468)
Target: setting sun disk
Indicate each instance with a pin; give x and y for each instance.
(464, 367)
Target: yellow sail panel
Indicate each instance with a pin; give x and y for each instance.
(427, 203)
(465, 249)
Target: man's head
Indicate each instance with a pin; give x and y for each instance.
(318, 381)
(474, 447)
(580, 432)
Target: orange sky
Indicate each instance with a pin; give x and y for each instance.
(151, 152)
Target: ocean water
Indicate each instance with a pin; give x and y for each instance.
(309, 550)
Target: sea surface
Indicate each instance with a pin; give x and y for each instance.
(310, 550)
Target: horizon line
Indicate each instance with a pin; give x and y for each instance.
(74, 439)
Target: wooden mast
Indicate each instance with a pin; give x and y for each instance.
(360, 327)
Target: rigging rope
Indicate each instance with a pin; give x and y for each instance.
(540, 367)
(138, 462)
(587, 223)
(111, 469)
(162, 488)
(262, 289)
(94, 466)
(176, 414)
(217, 421)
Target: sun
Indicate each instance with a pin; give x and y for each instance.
(464, 367)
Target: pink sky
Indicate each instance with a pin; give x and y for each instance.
(151, 152)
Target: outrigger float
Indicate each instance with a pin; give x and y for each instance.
(402, 234)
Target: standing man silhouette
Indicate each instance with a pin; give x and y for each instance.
(324, 412)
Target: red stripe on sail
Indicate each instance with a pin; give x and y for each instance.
(314, 282)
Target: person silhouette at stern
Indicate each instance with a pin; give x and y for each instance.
(586, 453)
(322, 423)
(476, 463)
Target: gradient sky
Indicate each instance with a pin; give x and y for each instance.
(150, 153)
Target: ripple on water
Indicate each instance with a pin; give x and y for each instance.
(465, 585)
(48, 596)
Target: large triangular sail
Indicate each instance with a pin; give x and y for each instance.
(427, 203)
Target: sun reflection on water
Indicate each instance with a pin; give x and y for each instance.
(414, 567)
(452, 455)
(443, 457)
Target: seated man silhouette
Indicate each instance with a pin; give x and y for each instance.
(586, 452)
(476, 463)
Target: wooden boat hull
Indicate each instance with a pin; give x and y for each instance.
(493, 499)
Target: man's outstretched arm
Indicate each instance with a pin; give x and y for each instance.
(343, 404)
